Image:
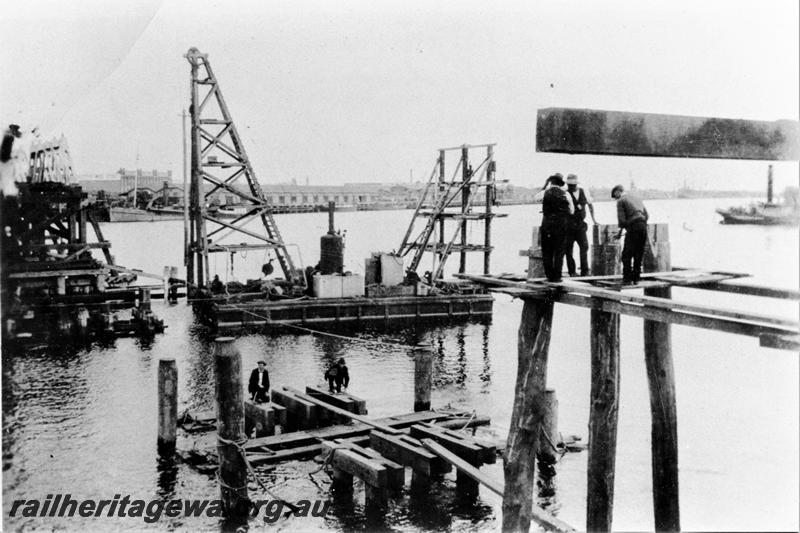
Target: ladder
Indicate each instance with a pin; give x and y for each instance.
(446, 194)
(219, 160)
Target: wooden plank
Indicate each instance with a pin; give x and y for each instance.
(312, 446)
(345, 401)
(395, 472)
(365, 468)
(58, 273)
(662, 303)
(624, 133)
(574, 287)
(469, 451)
(259, 417)
(751, 290)
(539, 515)
(280, 414)
(300, 438)
(338, 411)
(781, 342)
(673, 317)
(406, 451)
(300, 412)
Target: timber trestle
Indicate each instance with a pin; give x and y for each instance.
(608, 298)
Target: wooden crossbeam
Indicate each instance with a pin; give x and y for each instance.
(750, 290)
(698, 315)
(407, 451)
(342, 412)
(663, 303)
(539, 515)
(470, 450)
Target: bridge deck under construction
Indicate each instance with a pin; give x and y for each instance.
(606, 293)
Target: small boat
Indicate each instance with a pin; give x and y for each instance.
(134, 214)
(767, 213)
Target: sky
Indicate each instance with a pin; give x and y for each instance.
(357, 91)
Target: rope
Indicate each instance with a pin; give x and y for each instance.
(471, 417)
(396, 345)
(561, 453)
(328, 459)
(239, 445)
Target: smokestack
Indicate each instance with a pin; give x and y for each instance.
(769, 185)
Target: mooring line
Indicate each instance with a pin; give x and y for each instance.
(239, 445)
(326, 334)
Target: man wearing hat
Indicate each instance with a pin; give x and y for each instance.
(259, 383)
(581, 199)
(632, 217)
(557, 210)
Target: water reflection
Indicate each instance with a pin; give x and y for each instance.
(457, 364)
(167, 470)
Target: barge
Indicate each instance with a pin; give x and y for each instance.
(323, 294)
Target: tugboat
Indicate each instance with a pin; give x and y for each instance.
(767, 213)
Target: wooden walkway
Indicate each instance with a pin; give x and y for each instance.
(607, 294)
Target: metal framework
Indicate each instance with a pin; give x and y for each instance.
(219, 161)
(445, 194)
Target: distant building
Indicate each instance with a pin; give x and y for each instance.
(154, 179)
(124, 180)
(291, 196)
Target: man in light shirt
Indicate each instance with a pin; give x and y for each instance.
(582, 201)
(259, 383)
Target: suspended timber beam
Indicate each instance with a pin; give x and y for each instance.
(594, 131)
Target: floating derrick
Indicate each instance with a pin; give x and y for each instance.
(52, 287)
(321, 294)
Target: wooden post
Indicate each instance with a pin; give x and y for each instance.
(440, 248)
(144, 304)
(663, 408)
(490, 192)
(107, 318)
(465, 192)
(342, 481)
(604, 401)
(82, 321)
(423, 377)
(549, 432)
(534, 254)
(606, 251)
(230, 428)
(167, 405)
(519, 457)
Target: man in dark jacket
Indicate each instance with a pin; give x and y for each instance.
(337, 376)
(557, 209)
(632, 217)
(343, 376)
(259, 383)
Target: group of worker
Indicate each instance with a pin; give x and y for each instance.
(564, 224)
(337, 375)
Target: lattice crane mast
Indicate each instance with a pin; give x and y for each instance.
(219, 161)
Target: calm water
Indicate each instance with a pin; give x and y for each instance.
(82, 420)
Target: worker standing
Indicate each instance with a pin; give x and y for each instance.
(582, 200)
(632, 217)
(557, 209)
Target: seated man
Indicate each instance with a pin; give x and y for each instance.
(259, 383)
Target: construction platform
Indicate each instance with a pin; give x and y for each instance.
(295, 428)
(252, 311)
